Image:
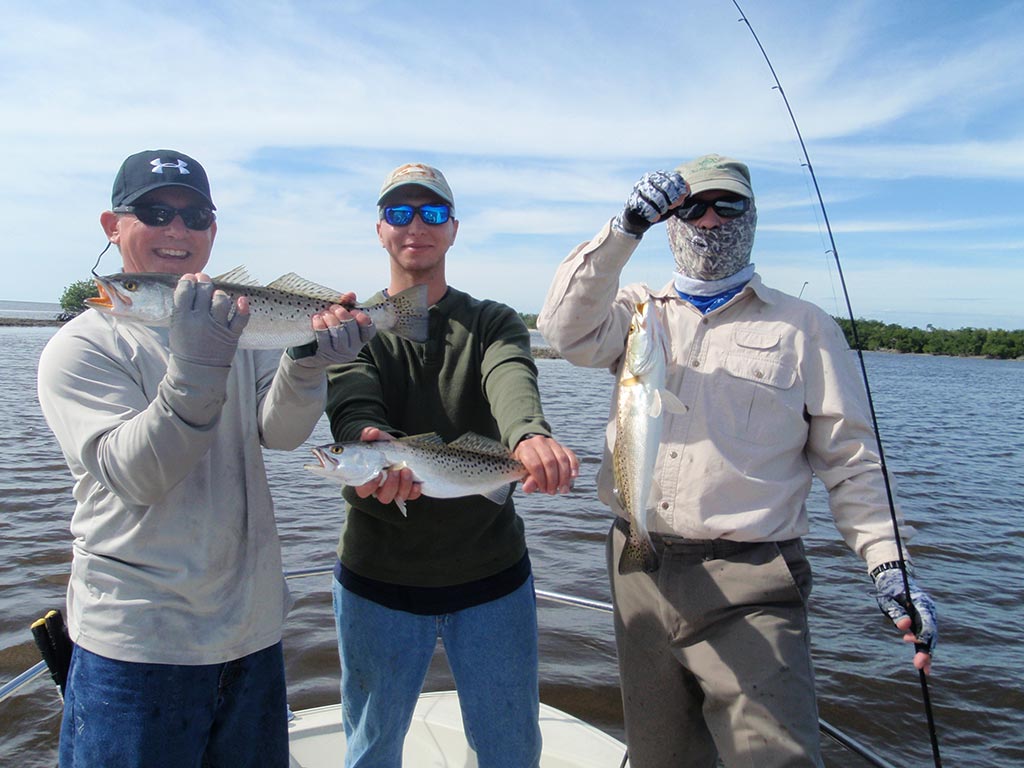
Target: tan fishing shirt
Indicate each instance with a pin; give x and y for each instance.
(772, 393)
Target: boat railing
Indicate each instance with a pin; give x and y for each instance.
(30, 675)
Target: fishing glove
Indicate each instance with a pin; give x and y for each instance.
(204, 330)
(893, 602)
(338, 344)
(649, 201)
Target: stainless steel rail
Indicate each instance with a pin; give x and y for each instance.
(30, 675)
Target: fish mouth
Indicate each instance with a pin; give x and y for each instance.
(106, 298)
(326, 461)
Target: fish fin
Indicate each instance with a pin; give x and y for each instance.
(294, 283)
(498, 495)
(480, 444)
(412, 313)
(655, 409)
(671, 403)
(426, 438)
(239, 276)
(414, 297)
(638, 555)
(619, 499)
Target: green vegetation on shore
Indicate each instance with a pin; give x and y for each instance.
(966, 342)
(875, 335)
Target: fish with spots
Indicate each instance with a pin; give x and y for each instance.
(641, 400)
(279, 313)
(470, 465)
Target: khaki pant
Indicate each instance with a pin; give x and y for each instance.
(714, 656)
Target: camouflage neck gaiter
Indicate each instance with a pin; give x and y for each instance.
(712, 254)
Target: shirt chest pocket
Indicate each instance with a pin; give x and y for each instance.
(760, 402)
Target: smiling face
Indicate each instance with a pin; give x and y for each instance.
(174, 248)
(417, 249)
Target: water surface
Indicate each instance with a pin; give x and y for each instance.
(953, 432)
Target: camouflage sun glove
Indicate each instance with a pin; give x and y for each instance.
(204, 330)
(893, 603)
(337, 344)
(650, 200)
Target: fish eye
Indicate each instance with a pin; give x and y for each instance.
(131, 285)
(336, 449)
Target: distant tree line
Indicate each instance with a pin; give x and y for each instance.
(966, 342)
(875, 335)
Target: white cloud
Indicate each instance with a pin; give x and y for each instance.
(542, 115)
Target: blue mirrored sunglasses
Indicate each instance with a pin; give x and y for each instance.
(726, 207)
(401, 215)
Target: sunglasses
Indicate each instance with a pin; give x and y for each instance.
(158, 215)
(726, 207)
(401, 215)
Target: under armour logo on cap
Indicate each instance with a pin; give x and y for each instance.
(155, 168)
(158, 165)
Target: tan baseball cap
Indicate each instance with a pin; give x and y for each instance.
(419, 175)
(717, 172)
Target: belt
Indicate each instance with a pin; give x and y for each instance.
(698, 550)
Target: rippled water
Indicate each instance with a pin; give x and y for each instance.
(953, 431)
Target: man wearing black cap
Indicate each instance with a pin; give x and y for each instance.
(713, 642)
(457, 568)
(176, 597)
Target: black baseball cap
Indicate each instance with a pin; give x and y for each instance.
(155, 168)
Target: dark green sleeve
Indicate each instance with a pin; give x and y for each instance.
(354, 397)
(510, 376)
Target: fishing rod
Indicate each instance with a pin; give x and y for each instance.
(864, 373)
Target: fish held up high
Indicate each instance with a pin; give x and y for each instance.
(642, 399)
(279, 313)
(470, 465)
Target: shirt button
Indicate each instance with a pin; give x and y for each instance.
(696, 363)
(705, 321)
(672, 454)
(664, 505)
(758, 375)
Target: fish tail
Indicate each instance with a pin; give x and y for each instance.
(638, 556)
(411, 313)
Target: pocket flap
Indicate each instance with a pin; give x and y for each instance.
(760, 369)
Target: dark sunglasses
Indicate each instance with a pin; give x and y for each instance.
(726, 207)
(401, 215)
(159, 215)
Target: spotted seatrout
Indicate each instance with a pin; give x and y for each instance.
(279, 313)
(641, 399)
(470, 465)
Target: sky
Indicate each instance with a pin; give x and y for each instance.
(542, 115)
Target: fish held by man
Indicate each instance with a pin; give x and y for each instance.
(641, 401)
(279, 313)
(470, 465)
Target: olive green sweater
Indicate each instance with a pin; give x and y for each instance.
(475, 373)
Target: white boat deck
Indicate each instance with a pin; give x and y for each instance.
(436, 738)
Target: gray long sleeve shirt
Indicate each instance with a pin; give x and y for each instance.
(176, 553)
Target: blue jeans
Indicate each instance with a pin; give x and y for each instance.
(492, 653)
(127, 714)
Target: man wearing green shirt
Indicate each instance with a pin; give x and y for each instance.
(458, 568)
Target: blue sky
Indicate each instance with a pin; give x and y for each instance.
(542, 115)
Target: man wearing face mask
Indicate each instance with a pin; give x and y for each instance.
(713, 644)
